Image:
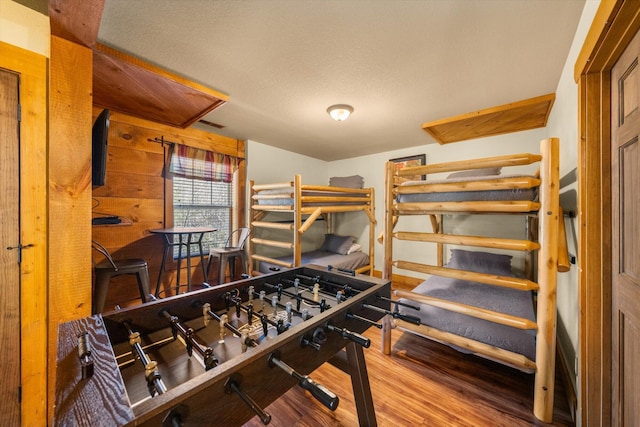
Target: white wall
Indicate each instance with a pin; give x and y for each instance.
(24, 27)
(268, 165)
(563, 122)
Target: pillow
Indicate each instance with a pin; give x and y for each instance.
(481, 262)
(475, 172)
(355, 247)
(354, 181)
(336, 244)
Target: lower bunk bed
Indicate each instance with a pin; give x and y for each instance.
(339, 252)
(432, 298)
(475, 303)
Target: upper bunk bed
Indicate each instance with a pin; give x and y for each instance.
(303, 205)
(475, 302)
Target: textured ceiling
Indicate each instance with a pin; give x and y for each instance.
(398, 63)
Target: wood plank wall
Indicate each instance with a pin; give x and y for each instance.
(134, 190)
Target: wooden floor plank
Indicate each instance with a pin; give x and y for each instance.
(422, 383)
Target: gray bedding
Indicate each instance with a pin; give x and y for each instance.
(496, 298)
(468, 196)
(324, 258)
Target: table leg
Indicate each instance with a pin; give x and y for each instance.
(167, 246)
(189, 262)
(179, 263)
(204, 271)
(361, 387)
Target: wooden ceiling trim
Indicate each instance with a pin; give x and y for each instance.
(517, 116)
(132, 86)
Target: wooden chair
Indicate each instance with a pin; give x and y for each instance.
(109, 268)
(227, 255)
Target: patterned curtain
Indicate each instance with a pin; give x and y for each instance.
(195, 163)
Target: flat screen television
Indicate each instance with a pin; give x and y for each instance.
(100, 134)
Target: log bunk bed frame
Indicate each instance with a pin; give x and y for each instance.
(312, 201)
(550, 246)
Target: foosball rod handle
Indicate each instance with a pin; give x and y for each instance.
(353, 336)
(232, 385)
(320, 392)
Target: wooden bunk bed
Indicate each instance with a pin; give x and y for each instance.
(465, 296)
(306, 204)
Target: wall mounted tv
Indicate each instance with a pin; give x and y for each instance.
(100, 135)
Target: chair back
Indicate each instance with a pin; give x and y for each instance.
(102, 250)
(243, 235)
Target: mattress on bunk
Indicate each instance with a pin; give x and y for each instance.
(468, 196)
(350, 261)
(495, 298)
(286, 198)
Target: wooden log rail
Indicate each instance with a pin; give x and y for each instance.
(469, 310)
(522, 206)
(489, 279)
(272, 243)
(487, 162)
(523, 182)
(506, 357)
(272, 261)
(457, 239)
(274, 225)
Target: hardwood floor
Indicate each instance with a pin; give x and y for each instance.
(422, 383)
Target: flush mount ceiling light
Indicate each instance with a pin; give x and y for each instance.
(340, 112)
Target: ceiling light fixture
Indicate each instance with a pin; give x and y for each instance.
(340, 112)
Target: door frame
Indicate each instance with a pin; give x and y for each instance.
(613, 27)
(32, 68)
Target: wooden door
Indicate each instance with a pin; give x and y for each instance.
(625, 194)
(9, 253)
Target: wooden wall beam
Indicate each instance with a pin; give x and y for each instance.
(69, 172)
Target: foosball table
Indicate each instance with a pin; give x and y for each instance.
(221, 355)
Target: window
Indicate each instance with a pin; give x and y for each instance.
(203, 203)
(204, 186)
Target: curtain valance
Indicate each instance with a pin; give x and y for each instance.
(196, 163)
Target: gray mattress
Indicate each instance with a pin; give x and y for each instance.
(468, 196)
(349, 262)
(496, 298)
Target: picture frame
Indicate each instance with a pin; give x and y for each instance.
(416, 160)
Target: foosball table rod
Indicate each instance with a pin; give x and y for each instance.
(154, 380)
(320, 392)
(233, 385)
(191, 340)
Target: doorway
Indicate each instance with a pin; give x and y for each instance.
(10, 250)
(30, 197)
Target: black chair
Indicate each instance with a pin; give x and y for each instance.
(109, 268)
(228, 254)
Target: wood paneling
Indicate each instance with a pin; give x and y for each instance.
(130, 85)
(134, 190)
(76, 20)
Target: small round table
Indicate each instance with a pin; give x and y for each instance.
(181, 236)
